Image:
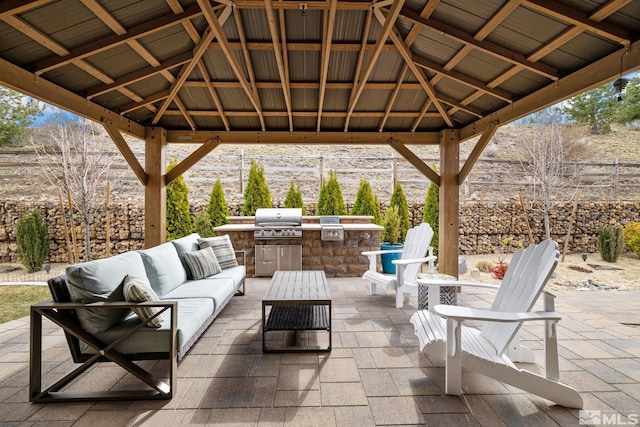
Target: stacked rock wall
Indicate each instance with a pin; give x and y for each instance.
(484, 225)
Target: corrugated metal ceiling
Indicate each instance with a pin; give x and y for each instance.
(461, 50)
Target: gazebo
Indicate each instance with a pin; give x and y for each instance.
(400, 73)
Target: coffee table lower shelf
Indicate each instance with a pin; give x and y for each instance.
(294, 321)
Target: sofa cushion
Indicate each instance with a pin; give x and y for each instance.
(223, 249)
(101, 281)
(164, 269)
(217, 290)
(192, 314)
(186, 244)
(202, 263)
(137, 289)
(237, 274)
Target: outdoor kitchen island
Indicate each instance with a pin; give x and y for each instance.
(338, 255)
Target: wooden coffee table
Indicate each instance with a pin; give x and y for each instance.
(298, 301)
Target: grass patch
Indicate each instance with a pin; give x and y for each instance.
(16, 300)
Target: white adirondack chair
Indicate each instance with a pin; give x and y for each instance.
(416, 251)
(441, 333)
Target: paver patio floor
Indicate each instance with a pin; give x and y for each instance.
(375, 374)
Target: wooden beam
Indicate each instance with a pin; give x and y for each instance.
(589, 77)
(414, 160)
(486, 136)
(105, 43)
(22, 81)
(125, 150)
(191, 160)
(387, 30)
(214, 95)
(326, 53)
(393, 98)
(140, 74)
(286, 92)
(303, 138)
(490, 48)
(216, 28)
(155, 190)
(580, 19)
(407, 55)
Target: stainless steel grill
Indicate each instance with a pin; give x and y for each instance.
(278, 223)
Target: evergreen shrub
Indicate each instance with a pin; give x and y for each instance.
(202, 225)
(294, 198)
(391, 225)
(431, 212)
(32, 239)
(399, 199)
(366, 203)
(178, 211)
(217, 209)
(610, 243)
(256, 194)
(330, 201)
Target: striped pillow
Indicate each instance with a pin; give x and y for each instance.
(139, 290)
(202, 263)
(223, 249)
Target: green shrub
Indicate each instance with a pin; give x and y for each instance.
(391, 225)
(632, 236)
(366, 203)
(218, 210)
(178, 212)
(32, 239)
(400, 200)
(431, 213)
(610, 243)
(294, 198)
(330, 201)
(202, 225)
(256, 194)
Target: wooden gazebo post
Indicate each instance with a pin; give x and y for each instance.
(449, 245)
(155, 190)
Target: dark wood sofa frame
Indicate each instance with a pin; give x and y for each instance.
(64, 314)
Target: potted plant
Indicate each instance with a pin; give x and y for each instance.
(391, 235)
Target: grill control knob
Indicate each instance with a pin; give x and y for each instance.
(273, 232)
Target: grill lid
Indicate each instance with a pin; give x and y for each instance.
(278, 217)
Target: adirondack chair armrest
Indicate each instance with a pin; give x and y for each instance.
(375, 253)
(413, 261)
(466, 313)
(437, 282)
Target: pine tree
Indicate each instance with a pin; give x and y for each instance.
(218, 210)
(391, 225)
(366, 202)
(32, 239)
(178, 212)
(596, 108)
(431, 213)
(399, 199)
(630, 104)
(330, 201)
(256, 194)
(294, 198)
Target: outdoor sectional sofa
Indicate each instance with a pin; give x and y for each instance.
(96, 304)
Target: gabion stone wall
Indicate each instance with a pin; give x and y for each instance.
(483, 225)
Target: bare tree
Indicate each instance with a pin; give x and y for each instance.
(552, 153)
(73, 160)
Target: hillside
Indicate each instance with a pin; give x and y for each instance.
(22, 178)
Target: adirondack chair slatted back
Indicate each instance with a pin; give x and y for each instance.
(523, 283)
(416, 245)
